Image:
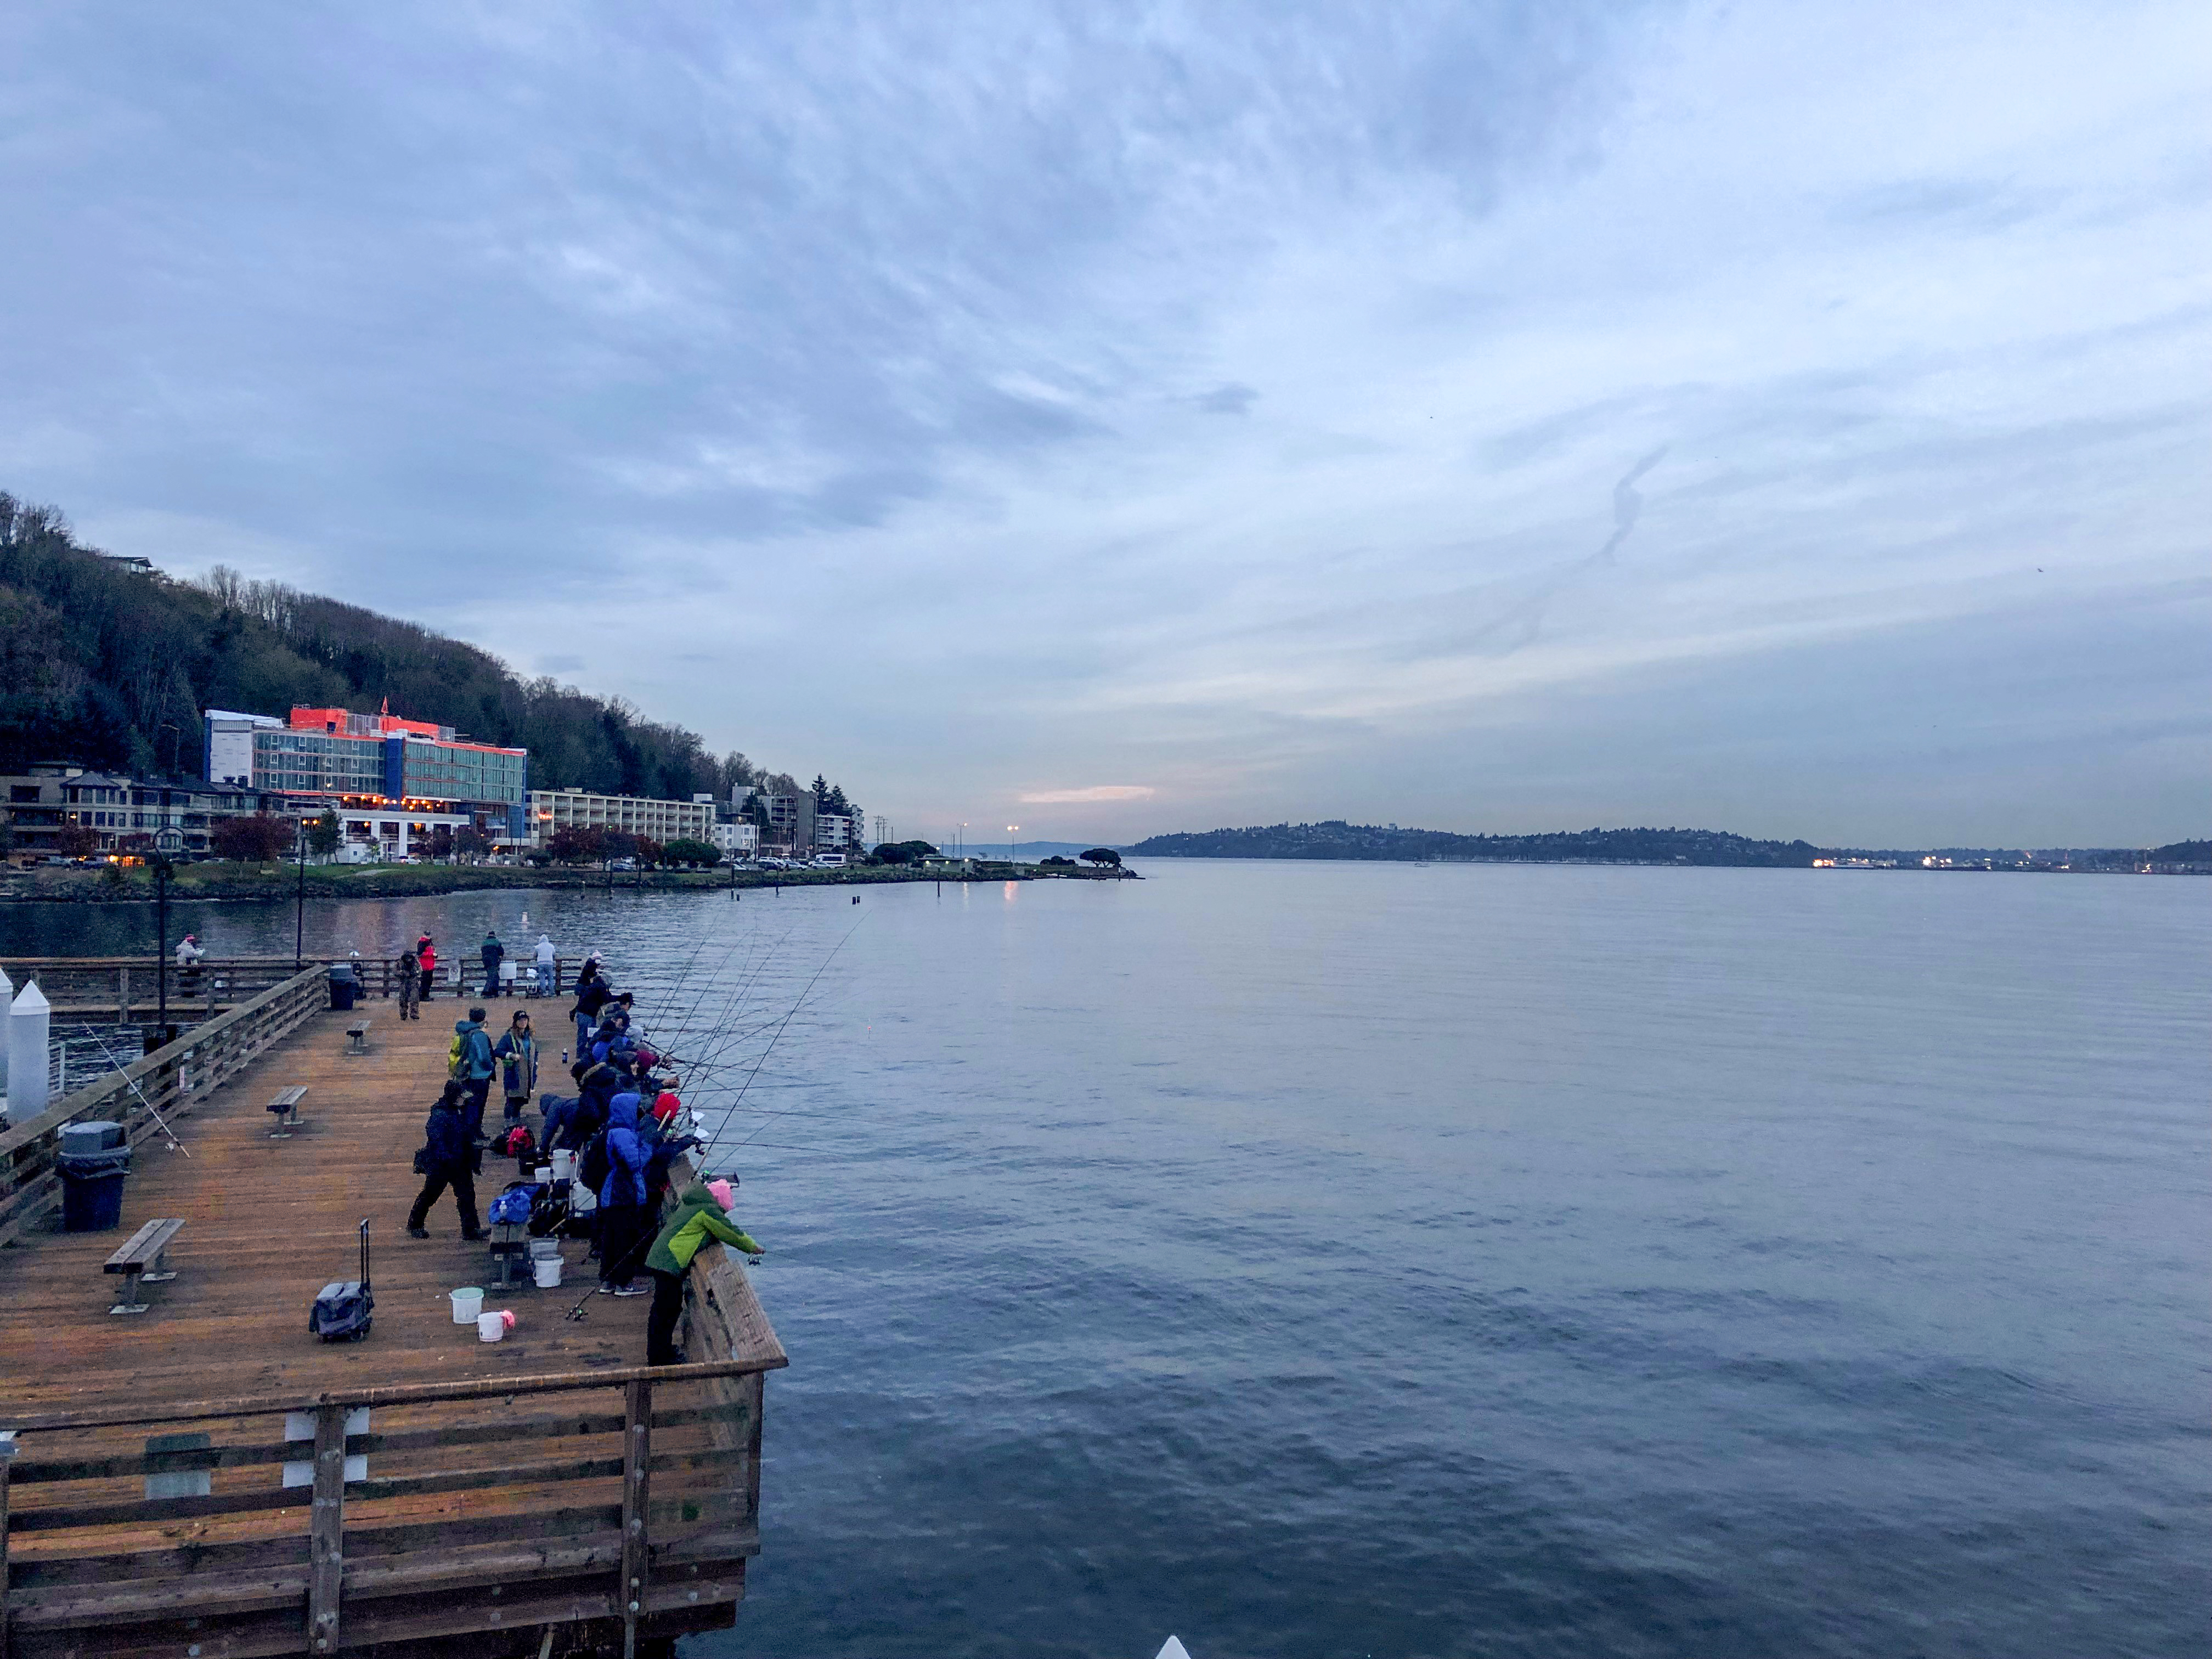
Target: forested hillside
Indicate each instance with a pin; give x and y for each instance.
(108, 666)
(1339, 840)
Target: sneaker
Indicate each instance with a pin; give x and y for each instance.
(419, 1233)
(476, 1237)
(606, 1289)
(632, 1290)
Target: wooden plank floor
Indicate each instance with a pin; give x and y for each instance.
(268, 1223)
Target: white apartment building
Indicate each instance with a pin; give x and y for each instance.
(664, 821)
(737, 839)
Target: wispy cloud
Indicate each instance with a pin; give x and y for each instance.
(1097, 792)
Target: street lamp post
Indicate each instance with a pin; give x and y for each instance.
(160, 863)
(299, 901)
(1011, 829)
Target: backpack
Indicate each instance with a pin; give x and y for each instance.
(453, 1056)
(593, 1166)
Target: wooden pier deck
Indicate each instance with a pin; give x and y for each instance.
(491, 1492)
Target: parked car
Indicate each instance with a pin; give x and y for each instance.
(624, 865)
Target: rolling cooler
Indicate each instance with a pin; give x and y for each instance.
(342, 1313)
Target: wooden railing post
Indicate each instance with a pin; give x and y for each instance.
(326, 1533)
(637, 1473)
(7, 1457)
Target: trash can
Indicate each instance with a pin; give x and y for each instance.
(345, 986)
(94, 1162)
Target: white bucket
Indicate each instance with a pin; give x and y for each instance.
(490, 1327)
(468, 1303)
(548, 1269)
(564, 1166)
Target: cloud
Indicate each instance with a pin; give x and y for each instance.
(1097, 792)
(1225, 395)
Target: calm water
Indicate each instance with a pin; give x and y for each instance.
(1345, 1260)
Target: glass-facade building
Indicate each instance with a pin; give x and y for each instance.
(374, 763)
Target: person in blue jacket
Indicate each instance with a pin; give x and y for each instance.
(625, 1227)
(448, 1159)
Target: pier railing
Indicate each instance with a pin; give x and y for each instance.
(127, 988)
(391, 1515)
(163, 1086)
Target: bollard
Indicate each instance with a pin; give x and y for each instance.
(27, 1021)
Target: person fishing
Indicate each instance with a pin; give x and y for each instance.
(493, 953)
(624, 1220)
(409, 974)
(593, 993)
(546, 969)
(700, 1214)
(516, 1051)
(448, 1159)
(426, 957)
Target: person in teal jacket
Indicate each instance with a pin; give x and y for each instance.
(471, 1065)
(517, 1054)
(698, 1217)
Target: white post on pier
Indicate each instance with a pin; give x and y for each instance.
(27, 1022)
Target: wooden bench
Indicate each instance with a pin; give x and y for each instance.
(144, 1260)
(286, 1104)
(357, 1037)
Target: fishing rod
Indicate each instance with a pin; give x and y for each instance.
(732, 1109)
(175, 1144)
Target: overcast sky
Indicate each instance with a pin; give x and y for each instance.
(1784, 418)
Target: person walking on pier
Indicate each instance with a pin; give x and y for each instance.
(494, 953)
(698, 1217)
(410, 976)
(471, 1064)
(517, 1054)
(448, 1159)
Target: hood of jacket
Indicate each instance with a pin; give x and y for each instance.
(463, 1027)
(622, 1111)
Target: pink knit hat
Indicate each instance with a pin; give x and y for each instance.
(724, 1194)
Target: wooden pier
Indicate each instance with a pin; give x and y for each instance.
(207, 1481)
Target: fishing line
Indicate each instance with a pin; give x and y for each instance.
(773, 1041)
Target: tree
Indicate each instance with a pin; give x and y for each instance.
(1105, 855)
(617, 844)
(471, 841)
(574, 843)
(76, 841)
(684, 850)
(323, 833)
(649, 851)
(905, 851)
(259, 838)
(441, 841)
(1056, 860)
(821, 793)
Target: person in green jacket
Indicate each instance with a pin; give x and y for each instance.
(698, 1217)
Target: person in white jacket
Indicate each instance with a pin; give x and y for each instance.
(545, 969)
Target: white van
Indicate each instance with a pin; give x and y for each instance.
(828, 860)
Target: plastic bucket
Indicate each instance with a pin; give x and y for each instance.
(564, 1166)
(548, 1269)
(490, 1327)
(468, 1304)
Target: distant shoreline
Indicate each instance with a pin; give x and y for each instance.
(1683, 864)
(75, 886)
